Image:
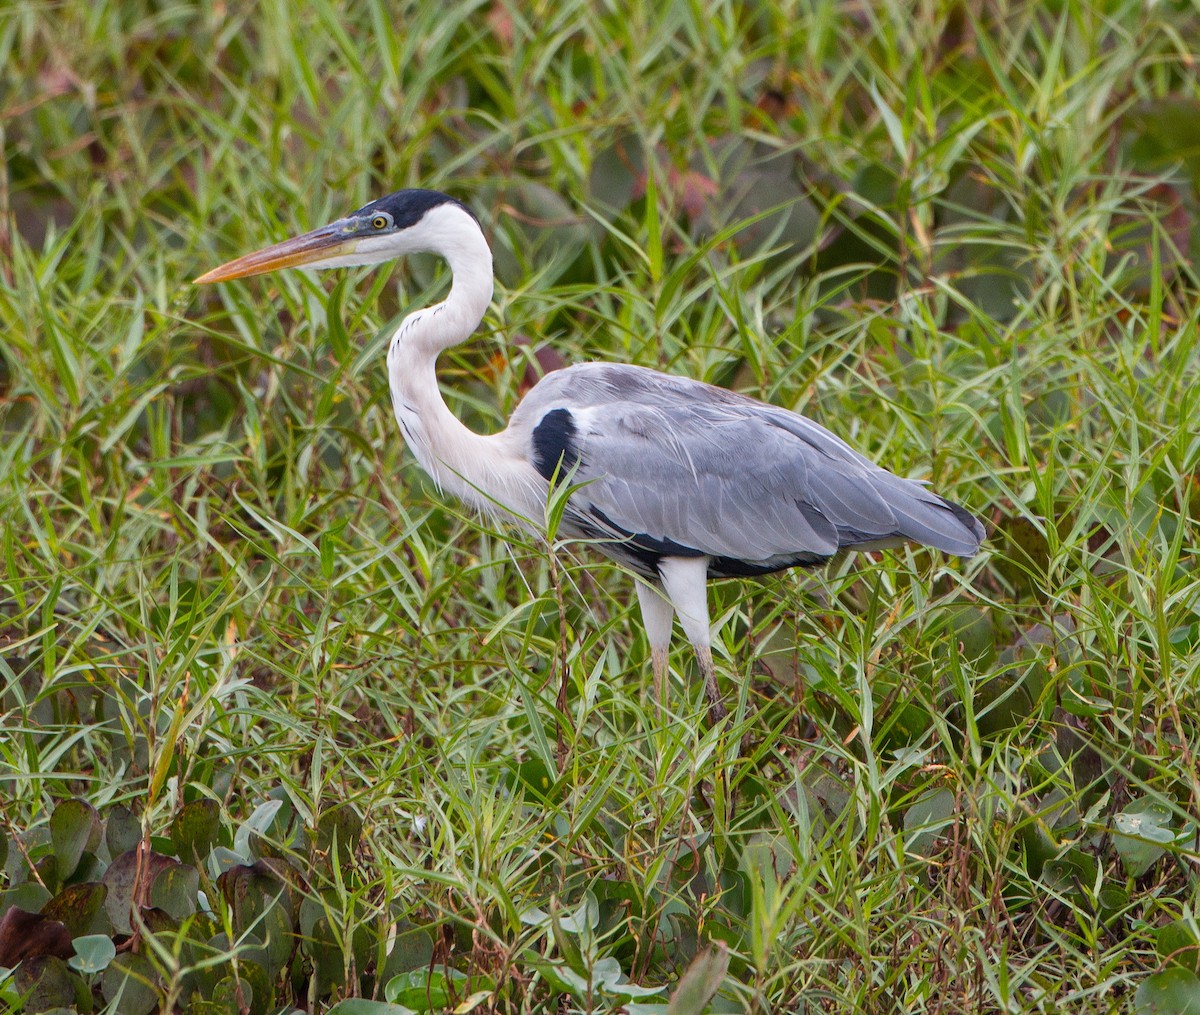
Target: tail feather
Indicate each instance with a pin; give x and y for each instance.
(924, 517)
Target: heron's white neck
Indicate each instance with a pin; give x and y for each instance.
(459, 460)
(452, 234)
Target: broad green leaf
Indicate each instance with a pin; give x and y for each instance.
(1141, 832)
(585, 918)
(1171, 992)
(928, 816)
(339, 827)
(121, 881)
(28, 895)
(412, 949)
(196, 829)
(1178, 942)
(122, 831)
(262, 908)
(1071, 875)
(235, 992)
(93, 953)
(47, 983)
(361, 1006)
(128, 984)
(560, 976)
(74, 828)
(425, 989)
(81, 908)
(175, 889)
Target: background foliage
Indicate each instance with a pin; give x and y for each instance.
(278, 725)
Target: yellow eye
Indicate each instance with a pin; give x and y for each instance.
(379, 222)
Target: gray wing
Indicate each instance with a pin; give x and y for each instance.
(675, 466)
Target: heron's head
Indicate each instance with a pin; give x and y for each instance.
(406, 222)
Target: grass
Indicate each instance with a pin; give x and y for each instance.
(958, 234)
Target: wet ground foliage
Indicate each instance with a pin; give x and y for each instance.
(282, 730)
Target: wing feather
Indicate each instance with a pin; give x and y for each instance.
(685, 463)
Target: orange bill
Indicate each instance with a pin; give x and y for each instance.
(319, 245)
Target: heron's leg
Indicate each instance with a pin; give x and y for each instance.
(657, 615)
(685, 580)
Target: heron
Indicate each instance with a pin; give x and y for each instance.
(677, 480)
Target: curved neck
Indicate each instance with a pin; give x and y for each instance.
(461, 243)
(460, 461)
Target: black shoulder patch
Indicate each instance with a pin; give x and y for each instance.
(554, 447)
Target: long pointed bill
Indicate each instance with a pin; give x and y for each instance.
(320, 245)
